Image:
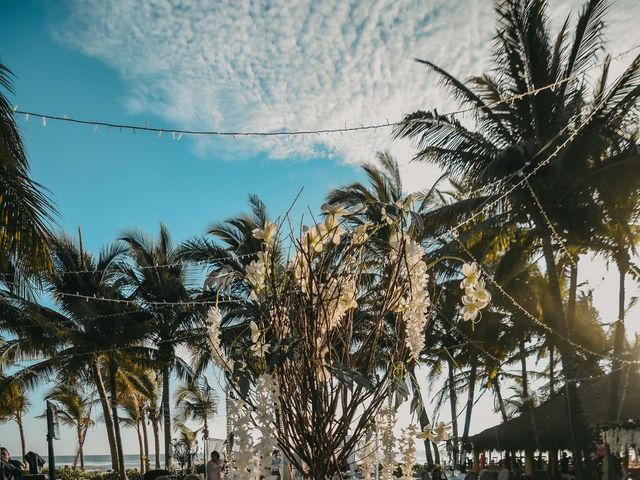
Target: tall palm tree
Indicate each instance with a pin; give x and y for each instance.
(515, 137)
(130, 402)
(197, 401)
(620, 235)
(74, 405)
(25, 209)
(227, 248)
(14, 405)
(81, 334)
(157, 275)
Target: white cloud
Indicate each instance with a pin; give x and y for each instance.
(284, 64)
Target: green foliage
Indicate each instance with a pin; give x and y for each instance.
(66, 473)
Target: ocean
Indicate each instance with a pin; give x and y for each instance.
(102, 462)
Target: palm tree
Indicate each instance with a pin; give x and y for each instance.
(14, 404)
(516, 137)
(24, 208)
(157, 275)
(82, 335)
(130, 402)
(74, 404)
(197, 401)
(620, 236)
(227, 249)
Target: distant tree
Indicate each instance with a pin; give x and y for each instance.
(74, 405)
(14, 404)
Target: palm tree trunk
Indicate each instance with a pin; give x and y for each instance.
(566, 353)
(573, 292)
(423, 417)
(140, 447)
(205, 439)
(618, 345)
(113, 371)
(79, 435)
(81, 448)
(23, 443)
(145, 438)
(498, 390)
(166, 414)
(453, 402)
(523, 367)
(470, 397)
(552, 376)
(106, 412)
(156, 440)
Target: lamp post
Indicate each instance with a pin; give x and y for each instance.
(52, 434)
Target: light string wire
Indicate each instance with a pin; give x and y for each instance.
(510, 100)
(179, 133)
(461, 224)
(537, 321)
(554, 232)
(185, 263)
(452, 232)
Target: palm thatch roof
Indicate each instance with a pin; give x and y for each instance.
(546, 426)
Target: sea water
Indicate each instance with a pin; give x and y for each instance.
(101, 462)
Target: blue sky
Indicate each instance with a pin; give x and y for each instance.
(227, 65)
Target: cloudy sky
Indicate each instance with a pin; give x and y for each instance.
(236, 65)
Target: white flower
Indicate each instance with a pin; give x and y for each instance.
(260, 349)
(313, 238)
(335, 210)
(214, 320)
(427, 434)
(256, 273)
(442, 434)
(476, 297)
(469, 309)
(255, 332)
(360, 234)
(334, 229)
(408, 451)
(480, 295)
(385, 422)
(267, 234)
(471, 274)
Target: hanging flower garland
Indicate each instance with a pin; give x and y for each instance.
(408, 451)
(385, 423)
(265, 420)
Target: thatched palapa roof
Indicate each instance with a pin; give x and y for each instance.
(546, 426)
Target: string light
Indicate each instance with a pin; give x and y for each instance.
(540, 323)
(554, 232)
(289, 134)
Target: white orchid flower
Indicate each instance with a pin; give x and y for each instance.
(335, 210)
(427, 433)
(313, 237)
(442, 434)
(469, 309)
(471, 273)
(260, 349)
(480, 295)
(255, 332)
(267, 234)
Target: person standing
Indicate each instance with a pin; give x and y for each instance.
(276, 461)
(214, 467)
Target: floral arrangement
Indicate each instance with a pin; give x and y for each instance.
(324, 335)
